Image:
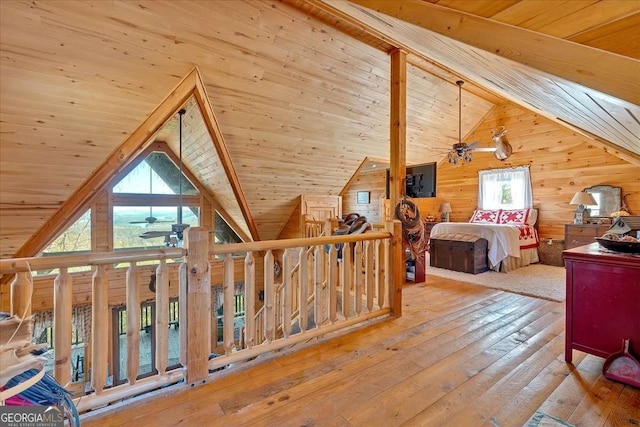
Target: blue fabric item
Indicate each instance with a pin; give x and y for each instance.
(46, 392)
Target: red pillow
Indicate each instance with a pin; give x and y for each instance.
(513, 216)
(485, 216)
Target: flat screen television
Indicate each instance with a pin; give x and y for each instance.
(421, 180)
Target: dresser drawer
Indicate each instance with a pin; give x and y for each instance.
(585, 234)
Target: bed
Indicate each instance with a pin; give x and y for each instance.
(511, 235)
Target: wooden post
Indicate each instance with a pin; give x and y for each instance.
(198, 299)
(99, 329)
(133, 324)
(398, 128)
(62, 304)
(21, 290)
(396, 268)
(162, 317)
(249, 300)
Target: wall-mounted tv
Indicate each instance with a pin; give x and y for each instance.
(421, 180)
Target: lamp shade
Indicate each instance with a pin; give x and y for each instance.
(445, 207)
(583, 198)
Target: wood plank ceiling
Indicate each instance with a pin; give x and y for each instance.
(301, 94)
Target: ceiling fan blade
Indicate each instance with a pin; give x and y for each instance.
(473, 144)
(153, 234)
(485, 149)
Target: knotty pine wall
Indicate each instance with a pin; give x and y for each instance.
(562, 162)
(375, 183)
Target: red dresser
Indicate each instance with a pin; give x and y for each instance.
(603, 301)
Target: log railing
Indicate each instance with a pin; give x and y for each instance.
(327, 284)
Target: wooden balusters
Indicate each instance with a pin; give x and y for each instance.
(346, 279)
(249, 300)
(133, 323)
(303, 295)
(62, 307)
(269, 295)
(369, 274)
(21, 291)
(333, 283)
(100, 329)
(379, 271)
(228, 305)
(287, 271)
(318, 284)
(359, 277)
(162, 317)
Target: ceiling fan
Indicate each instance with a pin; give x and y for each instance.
(174, 236)
(461, 151)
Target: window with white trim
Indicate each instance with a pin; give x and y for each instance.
(505, 188)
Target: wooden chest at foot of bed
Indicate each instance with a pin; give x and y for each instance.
(468, 255)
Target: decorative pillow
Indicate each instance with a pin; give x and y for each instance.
(513, 216)
(485, 216)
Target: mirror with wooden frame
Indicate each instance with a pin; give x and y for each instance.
(608, 199)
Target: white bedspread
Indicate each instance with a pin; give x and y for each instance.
(503, 239)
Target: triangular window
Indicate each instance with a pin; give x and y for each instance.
(147, 199)
(157, 174)
(74, 240)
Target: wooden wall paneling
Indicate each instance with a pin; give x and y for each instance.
(373, 182)
(619, 36)
(102, 223)
(291, 229)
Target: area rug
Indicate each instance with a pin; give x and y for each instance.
(536, 280)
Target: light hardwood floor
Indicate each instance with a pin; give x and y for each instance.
(461, 355)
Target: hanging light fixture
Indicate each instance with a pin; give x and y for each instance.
(175, 235)
(460, 151)
(179, 228)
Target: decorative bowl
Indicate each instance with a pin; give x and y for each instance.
(626, 247)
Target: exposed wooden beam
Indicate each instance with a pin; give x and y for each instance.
(211, 122)
(616, 75)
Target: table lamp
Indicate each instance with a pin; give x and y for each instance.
(445, 209)
(582, 199)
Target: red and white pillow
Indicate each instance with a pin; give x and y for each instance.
(513, 216)
(483, 216)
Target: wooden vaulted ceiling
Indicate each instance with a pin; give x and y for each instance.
(300, 89)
